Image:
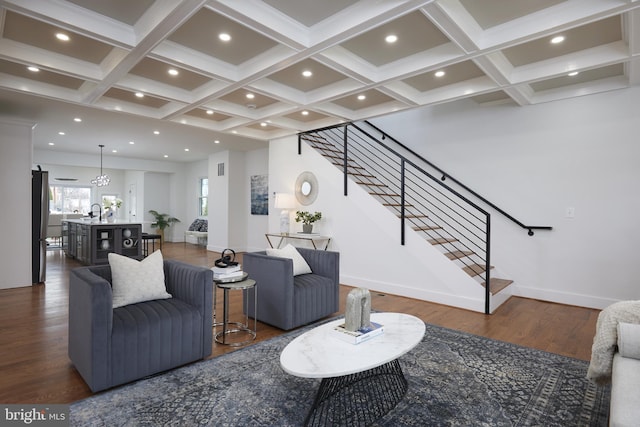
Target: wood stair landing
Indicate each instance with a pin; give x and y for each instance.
(496, 285)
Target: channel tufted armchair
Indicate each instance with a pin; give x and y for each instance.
(111, 346)
(287, 301)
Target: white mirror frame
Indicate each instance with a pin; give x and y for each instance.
(306, 188)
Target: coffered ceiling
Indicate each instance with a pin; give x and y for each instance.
(253, 87)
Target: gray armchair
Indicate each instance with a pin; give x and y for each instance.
(287, 301)
(110, 346)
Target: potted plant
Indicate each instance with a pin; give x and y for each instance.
(307, 219)
(161, 222)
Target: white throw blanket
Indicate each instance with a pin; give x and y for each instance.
(606, 338)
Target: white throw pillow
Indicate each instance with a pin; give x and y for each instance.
(300, 266)
(629, 340)
(137, 281)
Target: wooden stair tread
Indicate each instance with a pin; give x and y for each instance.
(329, 149)
(496, 284)
(384, 194)
(350, 165)
(426, 227)
(458, 254)
(371, 184)
(475, 269)
(407, 216)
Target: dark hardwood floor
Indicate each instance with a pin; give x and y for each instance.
(34, 367)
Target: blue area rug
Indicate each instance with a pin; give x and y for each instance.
(455, 379)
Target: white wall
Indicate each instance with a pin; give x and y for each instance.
(257, 163)
(15, 190)
(535, 162)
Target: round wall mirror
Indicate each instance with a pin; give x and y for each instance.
(306, 188)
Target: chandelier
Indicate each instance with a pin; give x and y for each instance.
(102, 179)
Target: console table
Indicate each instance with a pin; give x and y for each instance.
(310, 237)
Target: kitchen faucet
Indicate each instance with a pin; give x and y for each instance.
(99, 211)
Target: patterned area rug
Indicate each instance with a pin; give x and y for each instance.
(455, 379)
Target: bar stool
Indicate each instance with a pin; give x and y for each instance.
(146, 238)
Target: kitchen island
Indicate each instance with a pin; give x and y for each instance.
(91, 242)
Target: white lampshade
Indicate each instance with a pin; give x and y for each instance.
(284, 201)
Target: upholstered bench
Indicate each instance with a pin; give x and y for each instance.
(198, 229)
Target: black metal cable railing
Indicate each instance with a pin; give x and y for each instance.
(421, 200)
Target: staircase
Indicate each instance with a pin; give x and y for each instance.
(424, 204)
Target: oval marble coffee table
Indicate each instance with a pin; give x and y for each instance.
(360, 382)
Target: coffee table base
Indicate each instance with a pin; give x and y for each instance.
(358, 399)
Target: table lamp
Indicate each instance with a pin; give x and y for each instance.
(285, 202)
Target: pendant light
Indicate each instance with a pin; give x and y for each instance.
(102, 179)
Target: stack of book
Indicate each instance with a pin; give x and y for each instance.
(361, 335)
(227, 273)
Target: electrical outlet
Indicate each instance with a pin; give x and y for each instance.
(570, 213)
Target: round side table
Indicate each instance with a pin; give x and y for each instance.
(232, 328)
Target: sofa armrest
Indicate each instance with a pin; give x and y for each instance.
(90, 326)
(629, 340)
(274, 280)
(193, 285)
(323, 263)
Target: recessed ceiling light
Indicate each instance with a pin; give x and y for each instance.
(216, 141)
(62, 36)
(263, 124)
(234, 131)
(307, 73)
(439, 73)
(186, 149)
(391, 38)
(210, 112)
(305, 113)
(139, 94)
(165, 156)
(114, 151)
(131, 143)
(61, 133)
(173, 72)
(572, 74)
(156, 132)
(362, 97)
(183, 121)
(250, 96)
(557, 39)
(33, 69)
(224, 37)
(51, 143)
(77, 119)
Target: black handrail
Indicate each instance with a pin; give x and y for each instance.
(446, 175)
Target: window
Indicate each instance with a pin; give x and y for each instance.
(203, 198)
(69, 199)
